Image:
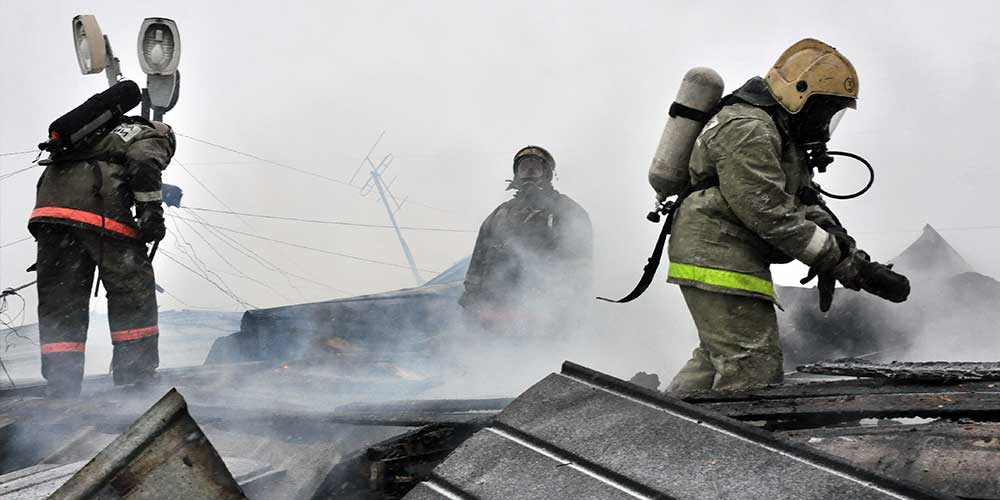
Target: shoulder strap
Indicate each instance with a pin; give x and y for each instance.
(653, 263)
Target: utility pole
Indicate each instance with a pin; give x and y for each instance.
(376, 183)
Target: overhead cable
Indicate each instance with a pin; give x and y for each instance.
(332, 222)
(296, 245)
(265, 160)
(239, 272)
(256, 257)
(8, 175)
(228, 293)
(245, 223)
(199, 264)
(293, 168)
(26, 238)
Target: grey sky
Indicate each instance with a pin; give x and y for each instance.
(459, 86)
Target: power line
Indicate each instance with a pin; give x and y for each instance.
(256, 257)
(26, 238)
(293, 168)
(245, 223)
(8, 175)
(265, 160)
(203, 276)
(331, 222)
(192, 255)
(239, 272)
(296, 245)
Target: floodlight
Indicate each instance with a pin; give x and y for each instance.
(159, 46)
(162, 92)
(89, 44)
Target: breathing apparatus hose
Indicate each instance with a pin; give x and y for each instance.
(871, 178)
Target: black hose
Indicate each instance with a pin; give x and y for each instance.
(871, 180)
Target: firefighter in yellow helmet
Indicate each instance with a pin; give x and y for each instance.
(761, 207)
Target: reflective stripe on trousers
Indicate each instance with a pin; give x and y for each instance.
(721, 278)
(51, 347)
(134, 333)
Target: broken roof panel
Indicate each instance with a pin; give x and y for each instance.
(581, 434)
(164, 454)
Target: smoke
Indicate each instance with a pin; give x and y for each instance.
(951, 314)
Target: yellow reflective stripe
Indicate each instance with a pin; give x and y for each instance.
(719, 277)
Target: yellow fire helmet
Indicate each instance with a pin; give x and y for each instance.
(810, 67)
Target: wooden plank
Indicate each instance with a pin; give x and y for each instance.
(961, 459)
(975, 405)
(851, 387)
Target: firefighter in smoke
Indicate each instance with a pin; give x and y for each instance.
(754, 204)
(101, 164)
(532, 259)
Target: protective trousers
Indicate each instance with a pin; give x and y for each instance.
(739, 347)
(67, 257)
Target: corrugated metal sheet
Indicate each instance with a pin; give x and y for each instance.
(581, 434)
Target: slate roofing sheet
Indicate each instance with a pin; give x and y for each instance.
(581, 434)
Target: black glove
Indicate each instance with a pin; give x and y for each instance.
(151, 224)
(881, 280)
(826, 287)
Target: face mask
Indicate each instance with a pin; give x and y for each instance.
(815, 123)
(836, 120)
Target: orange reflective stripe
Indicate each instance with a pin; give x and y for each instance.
(134, 334)
(51, 347)
(86, 218)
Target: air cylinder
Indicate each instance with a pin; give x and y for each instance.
(697, 98)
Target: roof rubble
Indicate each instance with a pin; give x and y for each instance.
(581, 434)
(925, 371)
(162, 455)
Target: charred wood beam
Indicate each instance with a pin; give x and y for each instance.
(961, 459)
(391, 468)
(841, 388)
(974, 405)
(931, 371)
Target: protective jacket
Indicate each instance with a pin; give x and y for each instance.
(539, 242)
(96, 186)
(725, 238)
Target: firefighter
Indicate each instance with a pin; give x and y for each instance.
(83, 220)
(756, 205)
(532, 259)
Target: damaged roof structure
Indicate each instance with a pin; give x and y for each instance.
(311, 410)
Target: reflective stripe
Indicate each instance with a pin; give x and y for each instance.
(816, 244)
(86, 218)
(721, 278)
(51, 347)
(134, 334)
(148, 196)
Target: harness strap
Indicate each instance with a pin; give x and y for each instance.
(678, 109)
(649, 270)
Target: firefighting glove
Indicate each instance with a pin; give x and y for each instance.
(858, 272)
(826, 286)
(151, 224)
(827, 282)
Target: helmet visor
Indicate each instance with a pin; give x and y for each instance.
(839, 115)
